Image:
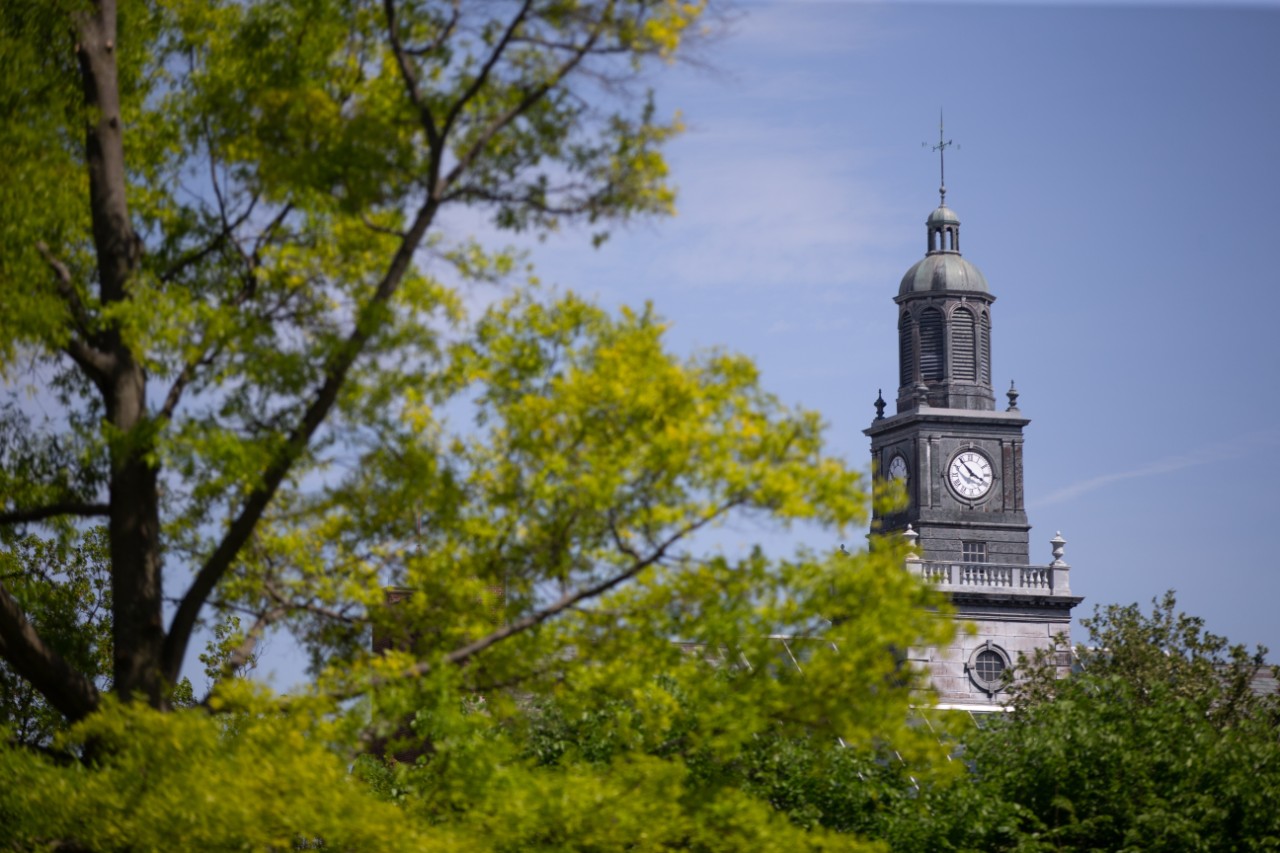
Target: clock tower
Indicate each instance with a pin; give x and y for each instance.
(959, 458)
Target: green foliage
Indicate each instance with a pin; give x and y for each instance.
(66, 594)
(252, 781)
(220, 658)
(231, 255)
(1158, 743)
(234, 249)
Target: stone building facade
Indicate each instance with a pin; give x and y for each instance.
(960, 461)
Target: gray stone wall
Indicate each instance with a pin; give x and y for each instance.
(948, 667)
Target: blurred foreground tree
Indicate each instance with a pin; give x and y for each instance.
(222, 248)
(229, 288)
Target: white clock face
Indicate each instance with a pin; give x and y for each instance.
(970, 474)
(898, 468)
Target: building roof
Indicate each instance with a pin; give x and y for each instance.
(943, 215)
(943, 271)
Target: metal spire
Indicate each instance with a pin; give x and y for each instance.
(941, 148)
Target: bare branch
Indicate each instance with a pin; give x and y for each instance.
(568, 600)
(476, 193)
(67, 690)
(184, 377)
(40, 513)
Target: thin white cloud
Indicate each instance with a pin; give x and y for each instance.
(799, 26)
(757, 207)
(1220, 452)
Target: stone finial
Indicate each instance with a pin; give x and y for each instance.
(912, 539)
(1059, 546)
(880, 404)
(1012, 394)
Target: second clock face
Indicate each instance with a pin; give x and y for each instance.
(970, 474)
(898, 468)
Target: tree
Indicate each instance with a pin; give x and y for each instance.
(1158, 742)
(228, 282)
(222, 224)
(659, 447)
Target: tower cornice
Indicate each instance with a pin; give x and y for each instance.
(931, 414)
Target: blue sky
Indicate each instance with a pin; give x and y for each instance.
(1118, 182)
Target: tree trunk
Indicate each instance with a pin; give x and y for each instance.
(138, 627)
(134, 525)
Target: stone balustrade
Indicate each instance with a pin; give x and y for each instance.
(993, 577)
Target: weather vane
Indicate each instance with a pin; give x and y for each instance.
(941, 148)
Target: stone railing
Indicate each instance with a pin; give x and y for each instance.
(976, 577)
(1053, 579)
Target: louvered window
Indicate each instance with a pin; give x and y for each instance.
(906, 365)
(964, 361)
(932, 354)
(984, 348)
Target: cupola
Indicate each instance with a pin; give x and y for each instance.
(942, 268)
(944, 324)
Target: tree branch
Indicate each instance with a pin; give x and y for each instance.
(243, 653)
(95, 363)
(66, 289)
(67, 690)
(246, 292)
(268, 232)
(289, 605)
(208, 248)
(379, 229)
(441, 37)
(221, 560)
(565, 602)
(531, 97)
(410, 75)
(487, 69)
(40, 513)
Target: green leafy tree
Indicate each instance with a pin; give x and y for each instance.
(223, 246)
(620, 579)
(231, 276)
(1158, 742)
